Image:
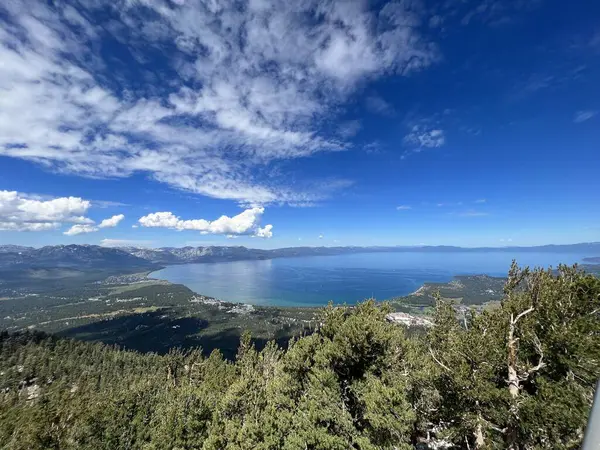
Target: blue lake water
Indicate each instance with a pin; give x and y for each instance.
(315, 280)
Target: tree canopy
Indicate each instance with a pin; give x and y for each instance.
(520, 376)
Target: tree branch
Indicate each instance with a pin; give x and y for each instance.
(523, 314)
(541, 364)
(442, 365)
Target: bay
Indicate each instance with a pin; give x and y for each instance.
(316, 280)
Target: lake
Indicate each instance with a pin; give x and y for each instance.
(315, 280)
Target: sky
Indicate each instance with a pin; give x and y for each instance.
(274, 124)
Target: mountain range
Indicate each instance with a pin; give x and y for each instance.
(90, 256)
(68, 256)
(63, 266)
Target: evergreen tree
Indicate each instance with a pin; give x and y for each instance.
(520, 376)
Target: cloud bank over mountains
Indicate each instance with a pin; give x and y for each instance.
(27, 212)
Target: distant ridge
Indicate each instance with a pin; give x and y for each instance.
(92, 255)
(170, 255)
(14, 249)
(79, 257)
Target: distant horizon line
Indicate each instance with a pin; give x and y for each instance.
(312, 246)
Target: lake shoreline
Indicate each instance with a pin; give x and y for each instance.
(422, 291)
(315, 281)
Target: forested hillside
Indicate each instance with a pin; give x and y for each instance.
(520, 376)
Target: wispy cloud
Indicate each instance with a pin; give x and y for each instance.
(436, 21)
(582, 116)
(425, 138)
(445, 204)
(349, 129)
(497, 12)
(470, 130)
(373, 148)
(533, 84)
(481, 200)
(488, 12)
(377, 105)
(537, 82)
(403, 208)
(594, 41)
(242, 87)
(107, 204)
(473, 214)
(422, 137)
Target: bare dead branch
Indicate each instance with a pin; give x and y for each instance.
(497, 428)
(441, 364)
(521, 315)
(541, 364)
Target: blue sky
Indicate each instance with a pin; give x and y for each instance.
(272, 124)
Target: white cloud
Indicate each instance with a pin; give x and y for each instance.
(111, 222)
(582, 116)
(12, 226)
(481, 200)
(321, 236)
(80, 229)
(403, 207)
(24, 212)
(245, 223)
(243, 86)
(265, 232)
(24, 208)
